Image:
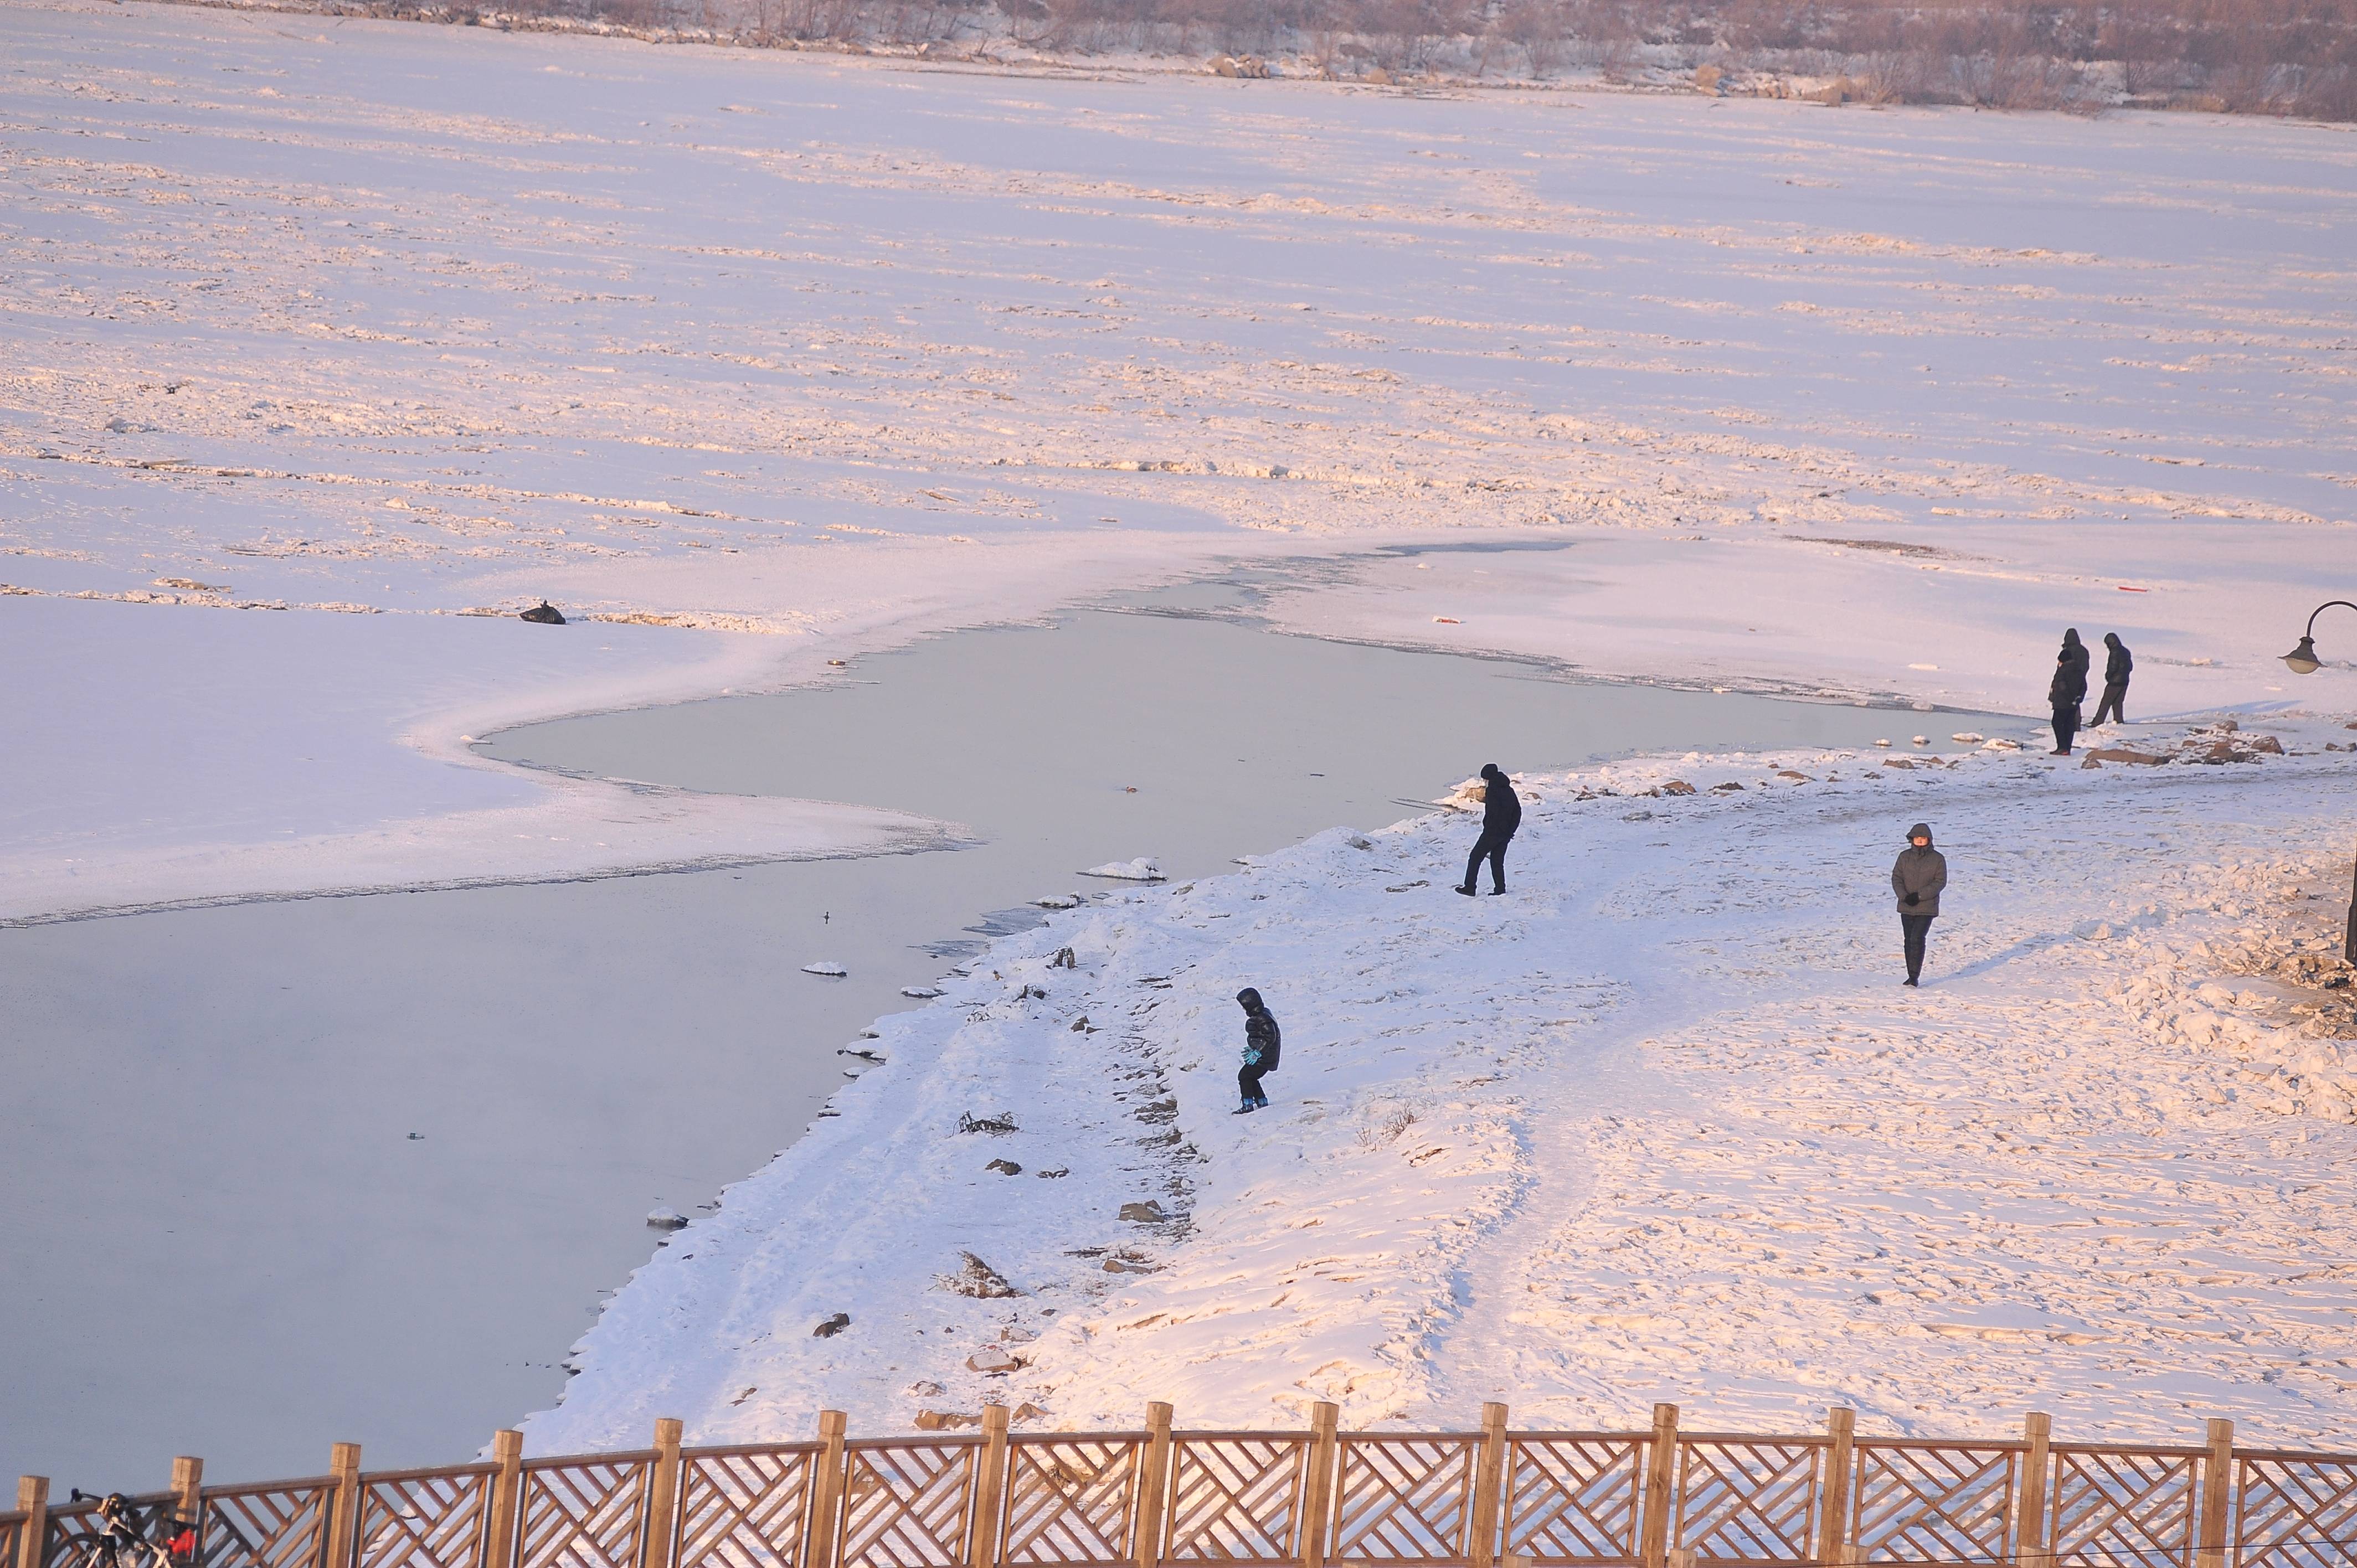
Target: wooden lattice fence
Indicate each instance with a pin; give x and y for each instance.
(1662, 1498)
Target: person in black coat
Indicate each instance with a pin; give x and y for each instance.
(1916, 880)
(2118, 665)
(1502, 813)
(2068, 689)
(1262, 1042)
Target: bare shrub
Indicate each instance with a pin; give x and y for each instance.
(2264, 57)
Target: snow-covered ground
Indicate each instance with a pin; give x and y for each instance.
(786, 355)
(1660, 1123)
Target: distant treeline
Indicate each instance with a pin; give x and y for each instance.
(2258, 57)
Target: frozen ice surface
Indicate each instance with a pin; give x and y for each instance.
(373, 323)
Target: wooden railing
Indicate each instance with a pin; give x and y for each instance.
(1493, 1498)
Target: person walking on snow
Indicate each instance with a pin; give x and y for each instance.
(2068, 689)
(1262, 1041)
(1502, 813)
(2116, 665)
(1917, 877)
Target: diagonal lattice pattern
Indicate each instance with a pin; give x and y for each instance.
(1069, 1500)
(1748, 1500)
(1236, 1499)
(266, 1527)
(1934, 1505)
(2295, 1513)
(583, 1513)
(1404, 1499)
(2123, 1508)
(745, 1509)
(906, 1505)
(1574, 1499)
(425, 1520)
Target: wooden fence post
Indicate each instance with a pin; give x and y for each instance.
(663, 1497)
(1681, 1557)
(989, 1490)
(2031, 1543)
(827, 1491)
(33, 1502)
(1153, 1485)
(188, 1490)
(343, 1503)
(2217, 1494)
(1318, 1487)
(1661, 1461)
(507, 1500)
(1832, 1528)
(1489, 1485)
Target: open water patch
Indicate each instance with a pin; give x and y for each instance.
(229, 1095)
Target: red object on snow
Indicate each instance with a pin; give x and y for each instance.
(2126, 589)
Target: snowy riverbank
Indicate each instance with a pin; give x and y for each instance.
(1658, 1124)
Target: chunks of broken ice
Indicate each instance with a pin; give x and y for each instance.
(826, 966)
(1145, 868)
(666, 1218)
(922, 993)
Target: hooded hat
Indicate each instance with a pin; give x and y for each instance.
(1920, 831)
(2113, 638)
(2071, 637)
(1251, 999)
(1489, 770)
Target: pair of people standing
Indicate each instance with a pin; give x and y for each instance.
(2069, 687)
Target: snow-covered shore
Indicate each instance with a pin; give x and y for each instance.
(1658, 1124)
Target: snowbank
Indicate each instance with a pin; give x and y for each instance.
(1659, 1123)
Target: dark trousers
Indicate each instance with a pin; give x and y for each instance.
(2066, 725)
(1916, 928)
(1248, 1085)
(1490, 846)
(2115, 696)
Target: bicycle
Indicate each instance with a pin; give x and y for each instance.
(123, 1540)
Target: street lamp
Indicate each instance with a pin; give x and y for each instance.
(2302, 660)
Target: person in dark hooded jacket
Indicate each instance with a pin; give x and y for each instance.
(1262, 1042)
(1502, 813)
(2117, 663)
(2068, 689)
(1917, 878)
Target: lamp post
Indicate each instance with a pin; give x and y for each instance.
(2302, 660)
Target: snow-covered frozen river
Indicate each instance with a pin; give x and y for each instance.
(246, 1252)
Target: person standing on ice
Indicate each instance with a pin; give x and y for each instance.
(2117, 663)
(1262, 1041)
(2068, 689)
(1917, 877)
(1502, 813)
